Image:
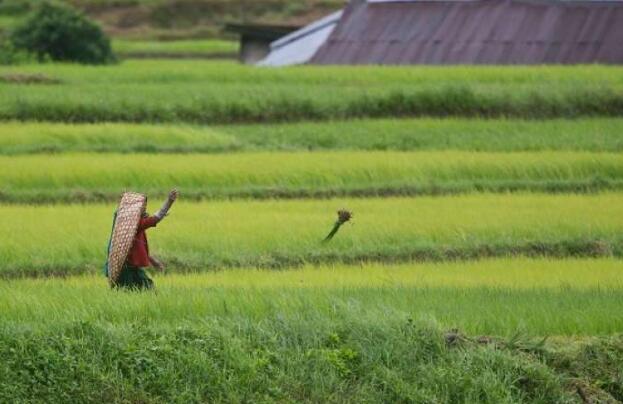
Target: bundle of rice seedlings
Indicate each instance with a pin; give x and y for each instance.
(343, 216)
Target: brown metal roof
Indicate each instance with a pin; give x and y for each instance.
(476, 32)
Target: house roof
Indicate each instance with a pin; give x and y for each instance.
(476, 32)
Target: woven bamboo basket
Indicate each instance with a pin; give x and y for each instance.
(126, 224)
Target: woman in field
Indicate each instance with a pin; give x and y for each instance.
(133, 275)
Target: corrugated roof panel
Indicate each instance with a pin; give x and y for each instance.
(594, 27)
(402, 23)
(471, 33)
(509, 28)
(612, 44)
(477, 31)
(533, 16)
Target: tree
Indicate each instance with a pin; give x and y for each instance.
(59, 32)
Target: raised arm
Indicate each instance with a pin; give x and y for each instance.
(164, 210)
(151, 221)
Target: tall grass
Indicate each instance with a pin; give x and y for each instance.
(342, 334)
(347, 356)
(89, 177)
(500, 135)
(210, 235)
(174, 91)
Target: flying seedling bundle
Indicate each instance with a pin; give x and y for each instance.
(343, 216)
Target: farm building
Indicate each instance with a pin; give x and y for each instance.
(255, 39)
(299, 46)
(438, 32)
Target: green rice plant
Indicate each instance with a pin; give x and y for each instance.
(601, 134)
(72, 239)
(22, 138)
(205, 72)
(177, 48)
(212, 92)
(343, 216)
(545, 296)
(92, 177)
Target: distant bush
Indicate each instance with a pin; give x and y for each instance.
(9, 55)
(59, 32)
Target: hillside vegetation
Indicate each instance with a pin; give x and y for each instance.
(184, 19)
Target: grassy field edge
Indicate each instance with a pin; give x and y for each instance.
(302, 361)
(521, 330)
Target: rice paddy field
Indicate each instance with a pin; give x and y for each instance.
(278, 234)
(423, 134)
(184, 48)
(224, 92)
(483, 262)
(262, 175)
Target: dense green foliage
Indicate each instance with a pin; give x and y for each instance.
(596, 135)
(92, 177)
(334, 334)
(208, 92)
(343, 360)
(58, 32)
(212, 235)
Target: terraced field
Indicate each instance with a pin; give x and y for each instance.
(224, 92)
(483, 262)
(478, 135)
(213, 235)
(538, 296)
(264, 175)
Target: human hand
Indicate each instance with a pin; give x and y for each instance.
(173, 195)
(157, 264)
